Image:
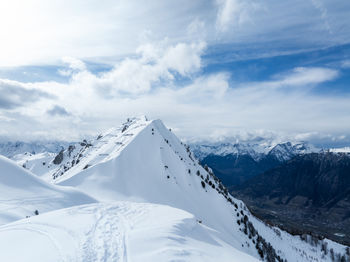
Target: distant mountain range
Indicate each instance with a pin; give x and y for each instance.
(236, 163)
(257, 151)
(10, 149)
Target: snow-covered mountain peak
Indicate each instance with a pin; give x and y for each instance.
(83, 155)
(285, 151)
(130, 122)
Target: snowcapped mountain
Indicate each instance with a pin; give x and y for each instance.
(10, 149)
(156, 204)
(288, 150)
(340, 150)
(256, 151)
(22, 193)
(36, 163)
(236, 163)
(281, 151)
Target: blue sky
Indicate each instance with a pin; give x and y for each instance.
(212, 70)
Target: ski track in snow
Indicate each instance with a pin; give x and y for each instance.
(106, 241)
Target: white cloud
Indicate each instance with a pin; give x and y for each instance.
(324, 13)
(235, 13)
(204, 106)
(74, 63)
(42, 32)
(154, 65)
(345, 64)
(301, 76)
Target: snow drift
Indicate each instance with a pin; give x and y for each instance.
(122, 231)
(22, 193)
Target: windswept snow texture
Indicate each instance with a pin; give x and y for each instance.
(22, 193)
(122, 231)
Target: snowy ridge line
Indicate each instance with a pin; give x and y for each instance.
(86, 154)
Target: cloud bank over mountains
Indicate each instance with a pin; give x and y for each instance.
(157, 63)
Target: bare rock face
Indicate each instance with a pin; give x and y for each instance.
(59, 158)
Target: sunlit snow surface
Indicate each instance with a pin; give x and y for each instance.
(22, 193)
(152, 206)
(122, 231)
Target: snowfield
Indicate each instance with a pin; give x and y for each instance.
(156, 203)
(22, 193)
(36, 163)
(122, 231)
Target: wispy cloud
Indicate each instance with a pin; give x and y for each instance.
(345, 64)
(298, 77)
(235, 13)
(318, 4)
(38, 32)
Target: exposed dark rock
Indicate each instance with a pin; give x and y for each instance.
(59, 158)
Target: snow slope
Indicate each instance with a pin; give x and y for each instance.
(122, 231)
(144, 166)
(39, 164)
(145, 162)
(21, 193)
